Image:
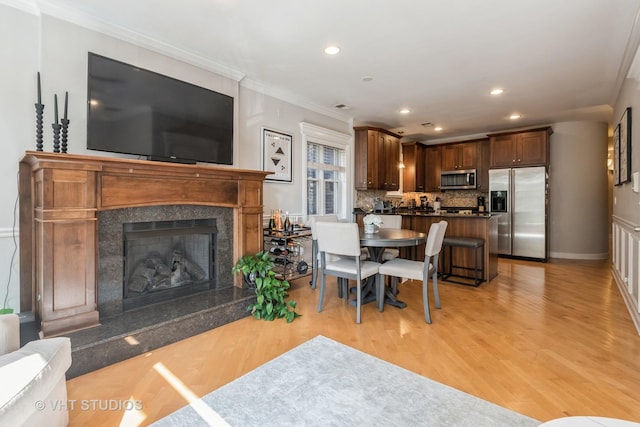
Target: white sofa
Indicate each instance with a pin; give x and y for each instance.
(33, 389)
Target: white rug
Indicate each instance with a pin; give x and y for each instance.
(325, 383)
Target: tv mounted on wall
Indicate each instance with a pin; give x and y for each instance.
(140, 112)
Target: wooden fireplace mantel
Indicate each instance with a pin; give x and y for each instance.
(60, 197)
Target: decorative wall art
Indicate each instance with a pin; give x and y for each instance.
(276, 155)
(625, 146)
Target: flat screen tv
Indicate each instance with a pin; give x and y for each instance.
(137, 111)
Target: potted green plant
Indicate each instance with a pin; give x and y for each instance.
(271, 292)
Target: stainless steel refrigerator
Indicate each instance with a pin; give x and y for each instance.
(519, 197)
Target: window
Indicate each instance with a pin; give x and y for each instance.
(325, 179)
(327, 171)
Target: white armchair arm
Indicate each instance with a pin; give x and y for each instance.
(9, 333)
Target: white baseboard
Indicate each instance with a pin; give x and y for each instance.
(569, 255)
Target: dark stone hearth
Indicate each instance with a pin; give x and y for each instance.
(155, 326)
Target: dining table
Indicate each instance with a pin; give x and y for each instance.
(376, 243)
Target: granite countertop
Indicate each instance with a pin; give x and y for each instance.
(418, 212)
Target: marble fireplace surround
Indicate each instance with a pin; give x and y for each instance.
(61, 197)
(110, 246)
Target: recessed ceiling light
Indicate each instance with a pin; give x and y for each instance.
(404, 111)
(496, 91)
(515, 116)
(332, 50)
(437, 128)
(342, 106)
(367, 78)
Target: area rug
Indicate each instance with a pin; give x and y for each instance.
(324, 383)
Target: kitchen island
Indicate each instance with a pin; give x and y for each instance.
(476, 225)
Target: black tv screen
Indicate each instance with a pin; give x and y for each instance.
(137, 111)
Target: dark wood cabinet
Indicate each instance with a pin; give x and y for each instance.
(377, 155)
(433, 167)
(514, 149)
(414, 174)
(459, 156)
(482, 169)
(390, 177)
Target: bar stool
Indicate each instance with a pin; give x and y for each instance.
(468, 243)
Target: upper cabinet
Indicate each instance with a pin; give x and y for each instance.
(514, 149)
(414, 176)
(433, 165)
(482, 169)
(460, 155)
(377, 155)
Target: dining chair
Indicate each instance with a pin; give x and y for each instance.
(420, 270)
(343, 240)
(395, 222)
(315, 255)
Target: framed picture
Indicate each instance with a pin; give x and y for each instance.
(625, 146)
(616, 155)
(277, 156)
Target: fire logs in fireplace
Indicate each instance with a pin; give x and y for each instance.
(154, 273)
(167, 259)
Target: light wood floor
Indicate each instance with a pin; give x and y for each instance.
(546, 340)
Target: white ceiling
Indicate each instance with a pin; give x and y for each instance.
(557, 60)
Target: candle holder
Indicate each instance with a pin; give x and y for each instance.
(65, 131)
(56, 137)
(39, 111)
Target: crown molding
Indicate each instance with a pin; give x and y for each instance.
(51, 8)
(28, 6)
(287, 96)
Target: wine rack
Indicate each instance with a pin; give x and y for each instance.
(286, 248)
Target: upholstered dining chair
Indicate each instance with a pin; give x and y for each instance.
(315, 254)
(343, 240)
(395, 222)
(420, 270)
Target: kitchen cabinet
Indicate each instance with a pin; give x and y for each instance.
(482, 169)
(514, 149)
(459, 156)
(390, 177)
(433, 167)
(377, 154)
(414, 176)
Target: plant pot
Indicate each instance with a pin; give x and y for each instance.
(249, 280)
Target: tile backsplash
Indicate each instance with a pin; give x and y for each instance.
(451, 198)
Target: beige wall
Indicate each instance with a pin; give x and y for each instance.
(578, 182)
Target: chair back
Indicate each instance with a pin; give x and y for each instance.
(435, 238)
(338, 238)
(391, 221)
(320, 218)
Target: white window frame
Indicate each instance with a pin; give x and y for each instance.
(319, 135)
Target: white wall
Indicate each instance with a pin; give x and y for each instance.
(19, 32)
(578, 181)
(58, 49)
(258, 110)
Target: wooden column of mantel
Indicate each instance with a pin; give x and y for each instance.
(60, 197)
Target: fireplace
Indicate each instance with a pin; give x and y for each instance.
(72, 211)
(153, 254)
(167, 259)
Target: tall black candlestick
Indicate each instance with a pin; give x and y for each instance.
(39, 91)
(56, 137)
(39, 111)
(55, 106)
(66, 103)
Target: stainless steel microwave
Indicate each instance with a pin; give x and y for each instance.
(458, 179)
